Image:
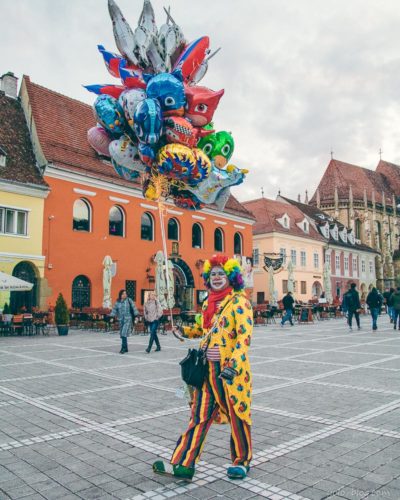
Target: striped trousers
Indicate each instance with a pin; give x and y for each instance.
(206, 405)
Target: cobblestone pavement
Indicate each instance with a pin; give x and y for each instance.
(79, 420)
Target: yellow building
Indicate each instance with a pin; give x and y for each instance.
(283, 230)
(22, 195)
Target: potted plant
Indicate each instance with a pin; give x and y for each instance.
(61, 315)
(7, 316)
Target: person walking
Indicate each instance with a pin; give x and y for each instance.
(152, 314)
(288, 302)
(125, 311)
(351, 303)
(374, 302)
(390, 309)
(225, 396)
(395, 303)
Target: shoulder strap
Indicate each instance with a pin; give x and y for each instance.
(208, 336)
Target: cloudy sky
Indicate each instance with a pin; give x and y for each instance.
(301, 77)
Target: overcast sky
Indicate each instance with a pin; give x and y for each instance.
(301, 77)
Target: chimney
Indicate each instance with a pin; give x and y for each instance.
(299, 198)
(9, 84)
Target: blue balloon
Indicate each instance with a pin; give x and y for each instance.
(148, 121)
(110, 114)
(168, 89)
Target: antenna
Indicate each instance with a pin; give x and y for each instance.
(262, 192)
(380, 153)
(332, 153)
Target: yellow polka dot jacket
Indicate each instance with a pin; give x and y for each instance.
(231, 330)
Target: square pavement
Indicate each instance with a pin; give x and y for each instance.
(79, 420)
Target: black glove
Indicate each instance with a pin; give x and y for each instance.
(228, 373)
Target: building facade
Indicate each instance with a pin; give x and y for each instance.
(367, 202)
(23, 192)
(282, 230)
(92, 213)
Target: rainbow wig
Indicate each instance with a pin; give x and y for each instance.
(231, 267)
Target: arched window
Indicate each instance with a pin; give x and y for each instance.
(197, 236)
(81, 292)
(358, 227)
(378, 234)
(218, 240)
(173, 230)
(237, 244)
(147, 227)
(81, 215)
(116, 221)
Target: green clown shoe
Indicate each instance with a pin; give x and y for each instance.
(172, 470)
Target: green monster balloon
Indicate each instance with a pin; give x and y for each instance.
(218, 147)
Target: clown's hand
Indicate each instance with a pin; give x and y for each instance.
(178, 333)
(228, 373)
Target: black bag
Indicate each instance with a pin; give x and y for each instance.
(194, 368)
(131, 311)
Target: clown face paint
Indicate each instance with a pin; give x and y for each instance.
(218, 279)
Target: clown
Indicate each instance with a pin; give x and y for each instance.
(226, 325)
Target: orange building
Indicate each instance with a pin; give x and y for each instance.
(91, 212)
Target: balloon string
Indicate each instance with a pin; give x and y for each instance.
(166, 269)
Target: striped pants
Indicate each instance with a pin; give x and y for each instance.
(206, 404)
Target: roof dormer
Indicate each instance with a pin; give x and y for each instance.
(324, 229)
(334, 231)
(350, 236)
(343, 234)
(284, 221)
(304, 225)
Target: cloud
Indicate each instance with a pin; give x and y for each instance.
(300, 77)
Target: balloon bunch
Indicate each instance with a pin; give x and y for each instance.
(157, 123)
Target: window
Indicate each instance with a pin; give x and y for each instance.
(197, 236)
(13, 221)
(293, 256)
(337, 262)
(346, 264)
(173, 230)
(354, 265)
(378, 234)
(80, 292)
(282, 252)
(363, 266)
(260, 297)
(284, 286)
(336, 233)
(81, 216)
(316, 260)
(358, 227)
(256, 257)
(147, 227)
(218, 240)
(371, 267)
(130, 287)
(237, 244)
(116, 221)
(303, 287)
(328, 259)
(303, 258)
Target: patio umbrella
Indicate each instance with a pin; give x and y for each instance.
(290, 283)
(161, 286)
(271, 284)
(107, 278)
(10, 283)
(326, 276)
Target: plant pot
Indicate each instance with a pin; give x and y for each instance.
(62, 329)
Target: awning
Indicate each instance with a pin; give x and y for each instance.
(12, 284)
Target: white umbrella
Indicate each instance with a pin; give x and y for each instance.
(271, 284)
(290, 284)
(107, 278)
(161, 286)
(327, 282)
(12, 284)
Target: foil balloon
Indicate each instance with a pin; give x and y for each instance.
(180, 131)
(185, 199)
(129, 101)
(105, 89)
(123, 35)
(99, 140)
(168, 89)
(201, 104)
(125, 154)
(111, 60)
(145, 33)
(218, 147)
(131, 77)
(178, 162)
(170, 40)
(124, 172)
(109, 114)
(192, 57)
(148, 121)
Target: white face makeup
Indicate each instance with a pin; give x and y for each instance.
(218, 279)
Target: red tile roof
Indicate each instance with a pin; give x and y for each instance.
(342, 175)
(62, 124)
(16, 144)
(390, 171)
(267, 212)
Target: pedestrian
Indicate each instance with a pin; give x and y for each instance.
(351, 304)
(225, 396)
(374, 302)
(288, 302)
(395, 303)
(390, 309)
(152, 314)
(125, 311)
